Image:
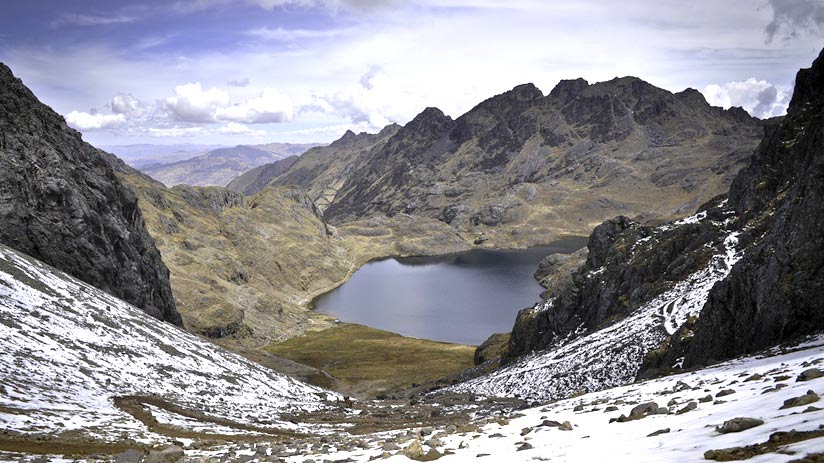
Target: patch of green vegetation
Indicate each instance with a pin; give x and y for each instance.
(365, 361)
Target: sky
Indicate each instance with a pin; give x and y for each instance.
(257, 71)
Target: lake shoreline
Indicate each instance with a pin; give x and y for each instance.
(412, 315)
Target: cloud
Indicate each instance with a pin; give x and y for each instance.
(193, 104)
(366, 79)
(292, 35)
(233, 128)
(94, 121)
(270, 106)
(174, 132)
(791, 17)
(758, 97)
(85, 20)
(125, 104)
(244, 82)
(190, 6)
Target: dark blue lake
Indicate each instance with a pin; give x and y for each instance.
(460, 298)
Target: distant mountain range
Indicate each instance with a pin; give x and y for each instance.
(139, 155)
(522, 167)
(214, 167)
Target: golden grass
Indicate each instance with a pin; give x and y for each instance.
(364, 361)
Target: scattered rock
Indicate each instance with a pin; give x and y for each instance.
(640, 411)
(525, 446)
(688, 408)
(754, 377)
(738, 425)
(809, 374)
(168, 455)
(414, 450)
(805, 399)
(565, 426)
(551, 423)
(611, 408)
(811, 409)
(659, 432)
(725, 393)
(390, 446)
(129, 456)
(526, 431)
(705, 399)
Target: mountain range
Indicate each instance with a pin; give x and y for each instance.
(522, 167)
(219, 166)
(724, 265)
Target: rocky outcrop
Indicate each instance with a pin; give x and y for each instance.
(627, 265)
(61, 202)
(774, 293)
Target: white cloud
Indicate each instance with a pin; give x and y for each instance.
(270, 106)
(125, 104)
(74, 19)
(193, 104)
(175, 132)
(94, 121)
(233, 128)
(291, 35)
(758, 97)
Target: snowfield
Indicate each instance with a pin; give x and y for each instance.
(69, 349)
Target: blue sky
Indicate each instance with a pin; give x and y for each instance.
(255, 71)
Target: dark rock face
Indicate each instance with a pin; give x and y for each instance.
(774, 293)
(61, 203)
(625, 268)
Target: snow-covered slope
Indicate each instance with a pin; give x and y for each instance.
(67, 350)
(689, 409)
(613, 355)
(690, 434)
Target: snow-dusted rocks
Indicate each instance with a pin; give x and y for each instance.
(69, 350)
(590, 360)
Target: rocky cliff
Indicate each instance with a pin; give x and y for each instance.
(522, 167)
(61, 202)
(765, 291)
(774, 293)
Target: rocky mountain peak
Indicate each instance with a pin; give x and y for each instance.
(809, 88)
(61, 202)
(430, 120)
(525, 92)
(566, 90)
(692, 97)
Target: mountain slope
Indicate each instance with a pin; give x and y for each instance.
(323, 170)
(218, 167)
(241, 267)
(254, 180)
(521, 167)
(742, 274)
(61, 202)
(73, 357)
